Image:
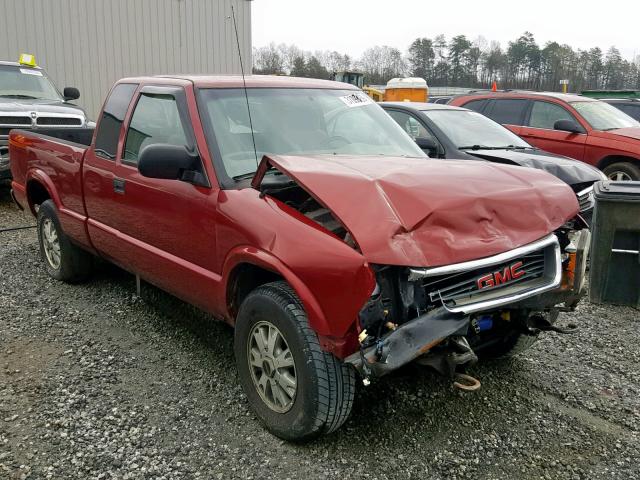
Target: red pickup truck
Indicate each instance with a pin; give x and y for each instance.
(298, 211)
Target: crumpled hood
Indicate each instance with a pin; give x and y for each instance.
(412, 212)
(570, 171)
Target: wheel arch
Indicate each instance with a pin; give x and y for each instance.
(39, 188)
(611, 159)
(246, 268)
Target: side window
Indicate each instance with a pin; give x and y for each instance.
(156, 119)
(475, 105)
(409, 124)
(545, 115)
(507, 111)
(112, 116)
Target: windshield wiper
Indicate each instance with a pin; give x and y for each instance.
(485, 147)
(20, 96)
(244, 176)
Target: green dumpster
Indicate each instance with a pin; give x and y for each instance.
(615, 244)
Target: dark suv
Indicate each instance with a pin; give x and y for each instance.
(630, 106)
(570, 125)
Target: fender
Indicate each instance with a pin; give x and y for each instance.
(260, 258)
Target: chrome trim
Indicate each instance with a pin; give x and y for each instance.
(586, 199)
(501, 258)
(585, 191)
(418, 273)
(631, 252)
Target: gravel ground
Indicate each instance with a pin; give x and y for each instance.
(96, 383)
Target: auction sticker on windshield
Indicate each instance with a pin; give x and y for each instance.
(26, 71)
(356, 99)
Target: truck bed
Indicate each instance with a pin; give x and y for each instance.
(53, 156)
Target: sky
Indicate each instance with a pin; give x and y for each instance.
(352, 26)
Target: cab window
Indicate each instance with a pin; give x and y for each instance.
(156, 119)
(545, 115)
(111, 121)
(507, 111)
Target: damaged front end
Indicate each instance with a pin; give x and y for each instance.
(442, 316)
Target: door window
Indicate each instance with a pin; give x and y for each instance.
(508, 111)
(112, 116)
(545, 115)
(156, 119)
(410, 124)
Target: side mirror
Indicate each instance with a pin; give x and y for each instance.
(426, 143)
(71, 93)
(170, 162)
(568, 126)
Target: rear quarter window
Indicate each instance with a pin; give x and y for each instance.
(507, 111)
(476, 105)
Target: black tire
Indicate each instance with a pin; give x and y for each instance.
(628, 170)
(74, 264)
(508, 346)
(325, 386)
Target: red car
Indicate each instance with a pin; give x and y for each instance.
(577, 127)
(298, 211)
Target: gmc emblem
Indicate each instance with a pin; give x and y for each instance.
(512, 272)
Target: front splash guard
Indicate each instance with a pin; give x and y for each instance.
(408, 342)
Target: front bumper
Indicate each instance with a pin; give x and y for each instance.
(417, 337)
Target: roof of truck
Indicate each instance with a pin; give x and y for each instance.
(234, 81)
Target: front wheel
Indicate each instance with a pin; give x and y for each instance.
(622, 171)
(296, 389)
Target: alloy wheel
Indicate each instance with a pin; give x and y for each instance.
(51, 243)
(272, 367)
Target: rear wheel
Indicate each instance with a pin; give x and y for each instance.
(63, 260)
(296, 389)
(622, 171)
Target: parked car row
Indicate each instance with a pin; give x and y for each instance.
(302, 214)
(574, 126)
(444, 131)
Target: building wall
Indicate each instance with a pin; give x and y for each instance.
(89, 44)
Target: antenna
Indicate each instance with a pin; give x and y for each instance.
(244, 83)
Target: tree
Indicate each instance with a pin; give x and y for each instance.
(299, 68)
(421, 58)
(315, 69)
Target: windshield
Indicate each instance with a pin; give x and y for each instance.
(602, 116)
(25, 82)
(470, 129)
(298, 122)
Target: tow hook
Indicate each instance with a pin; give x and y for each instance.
(466, 383)
(538, 323)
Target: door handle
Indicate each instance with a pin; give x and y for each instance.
(118, 185)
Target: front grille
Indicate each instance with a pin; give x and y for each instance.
(586, 200)
(505, 278)
(6, 120)
(62, 121)
(463, 287)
